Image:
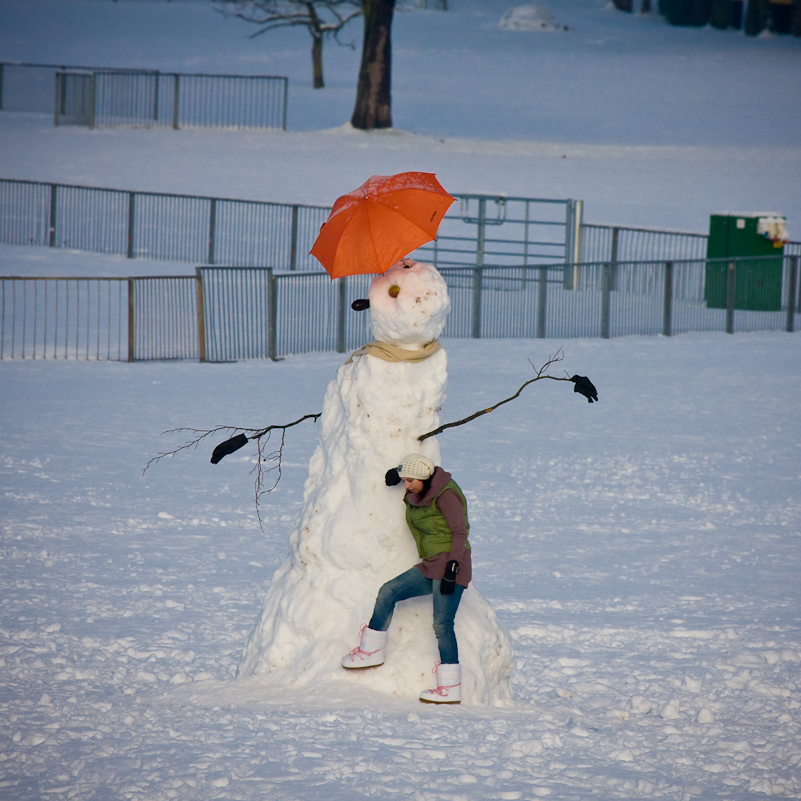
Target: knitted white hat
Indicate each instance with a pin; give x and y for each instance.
(415, 465)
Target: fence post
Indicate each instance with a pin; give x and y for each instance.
(542, 302)
(92, 96)
(573, 222)
(201, 316)
(286, 96)
(341, 316)
(606, 297)
(481, 231)
(731, 294)
(131, 331)
(57, 108)
(613, 255)
(667, 306)
(478, 280)
(175, 101)
(791, 299)
(272, 313)
(131, 224)
(212, 227)
(293, 239)
(53, 213)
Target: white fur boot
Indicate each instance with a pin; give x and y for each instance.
(449, 686)
(369, 652)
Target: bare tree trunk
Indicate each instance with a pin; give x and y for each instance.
(373, 96)
(317, 62)
(756, 15)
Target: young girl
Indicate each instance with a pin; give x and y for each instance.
(436, 513)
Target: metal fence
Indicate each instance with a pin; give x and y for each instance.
(104, 97)
(64, 318)
(497, 229)
(621, 243)
(232, 313)
(478, 229)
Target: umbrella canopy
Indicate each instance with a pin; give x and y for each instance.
(385, 219)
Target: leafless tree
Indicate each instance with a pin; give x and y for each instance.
(373, 107)
(320, 17)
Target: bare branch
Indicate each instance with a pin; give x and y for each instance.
(263, 457)
(258, 433)
(540, 375)
(202, 433)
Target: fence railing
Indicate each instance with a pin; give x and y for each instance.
(622, 243)
(478, 229)
(104, 97)
(232, 313)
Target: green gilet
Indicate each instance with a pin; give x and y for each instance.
(428, 526)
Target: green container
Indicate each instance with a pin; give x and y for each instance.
(758, 284)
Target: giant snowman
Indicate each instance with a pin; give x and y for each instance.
(352, 534)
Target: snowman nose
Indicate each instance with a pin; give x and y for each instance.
(394, 291)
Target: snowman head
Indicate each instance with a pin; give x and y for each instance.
(409, 304)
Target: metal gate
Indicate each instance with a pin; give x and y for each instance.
(75, 98)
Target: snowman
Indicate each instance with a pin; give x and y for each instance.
(352, 536)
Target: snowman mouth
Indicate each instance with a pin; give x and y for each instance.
(393, 291)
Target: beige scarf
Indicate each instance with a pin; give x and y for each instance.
(393, 353)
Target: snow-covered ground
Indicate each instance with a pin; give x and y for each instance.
(643, 552)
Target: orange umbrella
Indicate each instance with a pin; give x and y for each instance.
(385, 219)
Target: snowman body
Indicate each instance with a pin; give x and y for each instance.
(352, 535)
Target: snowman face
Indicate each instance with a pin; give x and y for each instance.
(409, 304)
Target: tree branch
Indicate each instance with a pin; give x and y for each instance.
(540, 375)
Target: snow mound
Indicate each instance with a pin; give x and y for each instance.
(530, 18)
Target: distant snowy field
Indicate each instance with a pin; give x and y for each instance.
(644, 552)
(649, 125)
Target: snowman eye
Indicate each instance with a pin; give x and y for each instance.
(394, 291)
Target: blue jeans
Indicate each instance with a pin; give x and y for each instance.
(412, 584)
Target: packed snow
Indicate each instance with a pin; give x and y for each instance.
(642, 553)
(530, 18)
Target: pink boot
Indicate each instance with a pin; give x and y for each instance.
(449, 685)
(369, 652)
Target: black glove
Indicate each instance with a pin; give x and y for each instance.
(448, 583)
(585, 387)
(229, 446)
(392, 479)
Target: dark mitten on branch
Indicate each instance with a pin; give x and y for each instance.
(448, 583)
(229, 446)
(585, 387)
